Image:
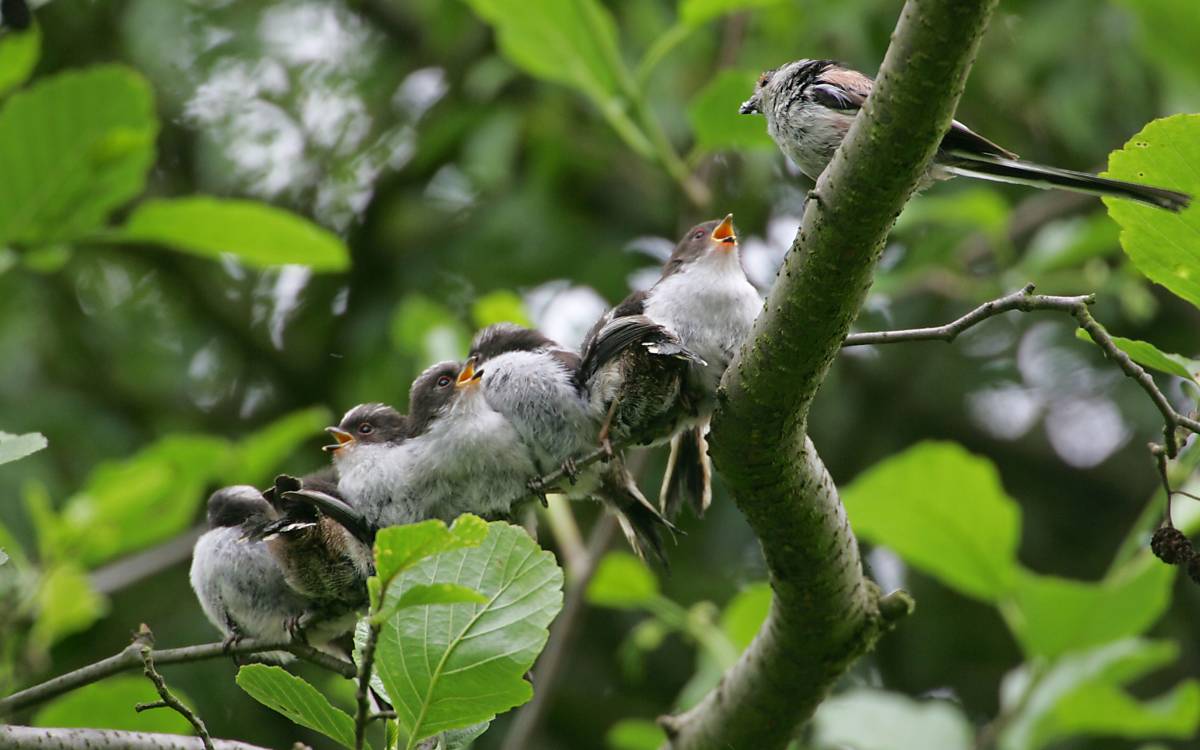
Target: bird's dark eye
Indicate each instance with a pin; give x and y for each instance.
(698, 235)
(365, 429)
(443, 381)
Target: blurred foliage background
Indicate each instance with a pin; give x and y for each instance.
(469, 191)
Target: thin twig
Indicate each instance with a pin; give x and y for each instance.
(382, 715)
(144, 641)
(130, 658)
(1026, 301)
(362, 714)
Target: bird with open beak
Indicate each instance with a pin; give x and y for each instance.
(654, 362)
(535, 383)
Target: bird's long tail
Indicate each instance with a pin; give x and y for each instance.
(1000, 169)
(642, 525)
(688, 477)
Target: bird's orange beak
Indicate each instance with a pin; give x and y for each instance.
(468, 374)
(724, 232)
(341, 436)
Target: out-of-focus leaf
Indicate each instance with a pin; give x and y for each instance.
(864, 719)
(944, 511)
(981, 208)
(697, 12)
(19, 54)
(1055, 615)
(745, 614)
(1164, 39)
(713, 114)
(109, 705)
(1069, 243)
(398, 548)
(1148, 355)
(257, 234)
(635, 734)
(1165, 246)
(47, 259)
(66, 604)
(73, 148)
(1082, 695)
(450, 666)
(13, 446)
(127, 505)
(259, 454)
(500, 306)
(573, 42)
(622, 581)
(292, 696)
(438, 593)
(428, 331)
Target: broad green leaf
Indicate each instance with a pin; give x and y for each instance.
(745, 614)
(1054, 615)
(13, 446)
(19, 53)
(622, 581)
(573, 42)
(276, 688)
(428, 330)
(438, 593)
(865, 719)
(127, 505)
(979, 208)
(635, 734)
(500, 306)
(1148, 355)
(73, 148)
(398, 548)
(944, 511)
(449, 666)
(66, 604)
(259, 454)
(109, 705)
(258, 234)
(697, 12)
(1164, 246)
(713, 114)
(1081, 694)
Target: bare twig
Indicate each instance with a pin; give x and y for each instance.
(362, 713)
(144, 641)
(42, 738)
(130, 658)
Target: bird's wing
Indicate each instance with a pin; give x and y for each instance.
(337, 509)
(841, 88)
(962, 140)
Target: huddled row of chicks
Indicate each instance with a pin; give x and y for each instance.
(479, 433)
(477, 438)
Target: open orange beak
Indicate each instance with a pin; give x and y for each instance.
(724, 232)
(469, 374)
(342, 437)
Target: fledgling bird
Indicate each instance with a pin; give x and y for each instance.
(654, 362)
(241, 589)
(809, 105)
(537, 385)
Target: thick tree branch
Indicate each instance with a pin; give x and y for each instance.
(131, 658)
(825, 614)
(40, 738)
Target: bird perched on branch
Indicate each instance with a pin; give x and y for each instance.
(654, 362)
(809, 105)
(537, 385)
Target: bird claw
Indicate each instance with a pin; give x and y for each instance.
(570, 470)
(815, 197)
(231, 640)
(295, 627)
(606, 449)
(538, 488)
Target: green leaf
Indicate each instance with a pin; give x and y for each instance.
(428, 330)
(500, 306)
(276, 688)
(109, 705)
(449, 666)
(623, 582)
(66, 604)
(944, 511)
(745, 614)
(19, 53)
(438, 593)
(1164, 246)
(697, 12)
(259, 454)
(713, 114)
(573, 42)
(1055, 615)
(258, 234)
(866, 719)
(13, 447)
(635, 734)
(73, 148)
(1081, 695)
(398, 548)
(1148, 355)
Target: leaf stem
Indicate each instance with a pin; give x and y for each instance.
(666, 42)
